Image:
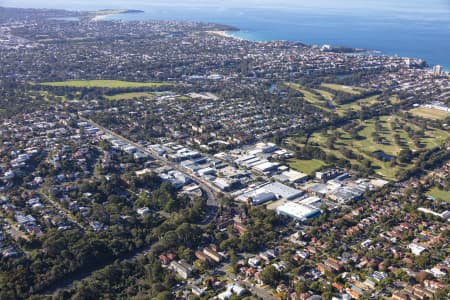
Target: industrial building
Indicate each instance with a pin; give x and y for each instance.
(270, 192)
(283, 191)
(176, 178)
(265, 167)
(291, 176)
(258, 197)
(300, 212)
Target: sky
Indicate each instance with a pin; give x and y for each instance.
(431, 7)
(413, 10)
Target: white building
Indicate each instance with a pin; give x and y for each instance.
(297, 211)
(416, 249)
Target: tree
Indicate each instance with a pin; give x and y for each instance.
(270, 276)
(405, 156)
(165, 296)
(301, 287)
(442, 294)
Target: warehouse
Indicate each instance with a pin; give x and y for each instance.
(300, 212)
(269, 192)
(283, 191)
(291, 176)
(311, 201)
(258, 197)
(265, 167)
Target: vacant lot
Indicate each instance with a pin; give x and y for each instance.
(112, 84)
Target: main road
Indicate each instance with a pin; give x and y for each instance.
(212, 201)
(211, 191)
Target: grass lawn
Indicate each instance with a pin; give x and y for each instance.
(365, 146)
(394, 100)
(183, 97)
(357, 105)
(129, 96)
(439, 194)
(106, 84)
(343, 88)
(327, 95)
(430, 113)
(433, 137)
(311, 97)
(306, 166)
(48, 97)
(321, 103)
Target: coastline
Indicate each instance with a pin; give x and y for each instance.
(248, 35)
(102, 17)
(358, 51)
(226, 34)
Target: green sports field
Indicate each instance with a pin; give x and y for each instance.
(112, 84)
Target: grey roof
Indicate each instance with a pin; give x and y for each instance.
(283, 191)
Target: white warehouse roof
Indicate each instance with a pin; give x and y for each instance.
(298, 211)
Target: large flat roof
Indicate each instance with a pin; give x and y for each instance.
(298, 211)
(283, 191)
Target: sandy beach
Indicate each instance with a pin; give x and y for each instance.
(223, 34)
(101, 17)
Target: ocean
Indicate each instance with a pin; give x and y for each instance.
(418, 29)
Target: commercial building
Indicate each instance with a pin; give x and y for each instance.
(261, 197)
(311, 201)
(213, 255)
(176, 178)
(328, 175)
(266, 167)
(437, 70)
(206, 171)
(291, 176)
(266, 147)
(182, 268)
(300, 212)
(269, 192)
(283, 191)
(226, 184)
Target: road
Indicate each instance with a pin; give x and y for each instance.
(62, 210)
(15, 232)
(212, 202)
(210, 190)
